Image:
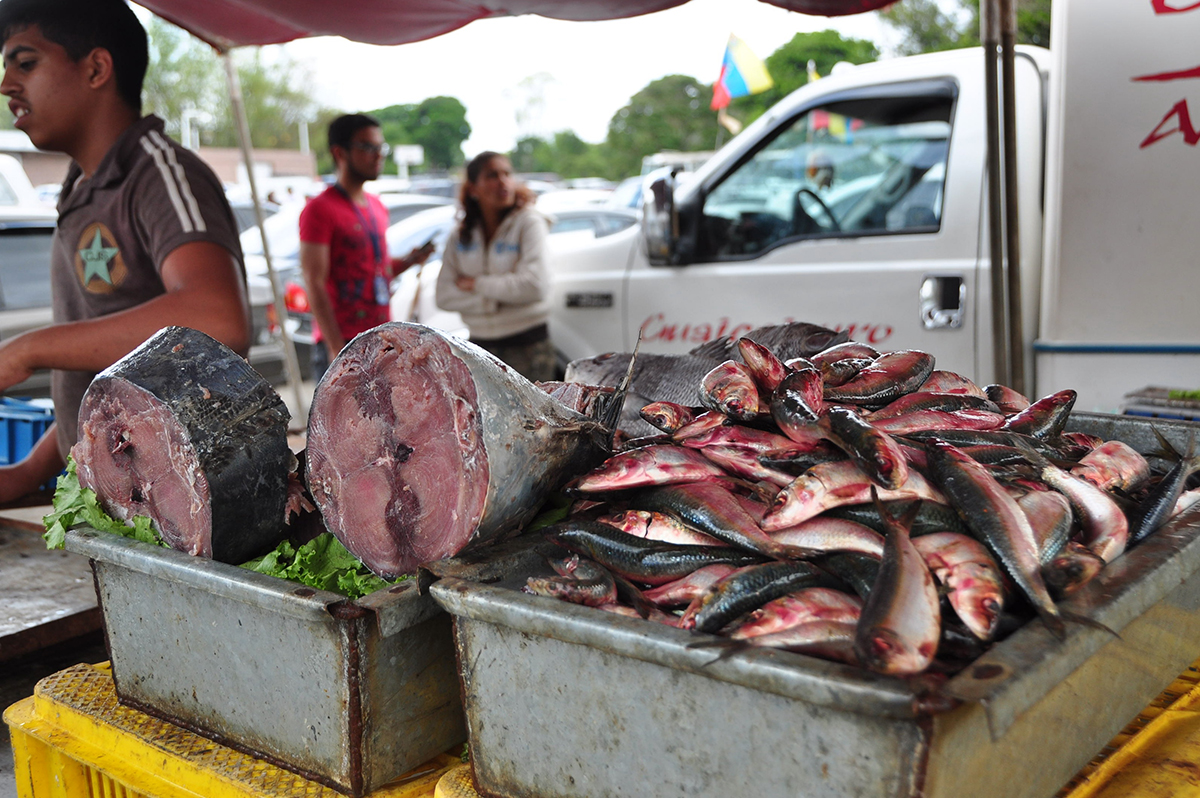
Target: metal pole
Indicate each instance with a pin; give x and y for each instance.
(1012, 221)
(989, 31)
(243, 126)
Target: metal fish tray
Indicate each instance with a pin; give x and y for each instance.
(565, 700)
(351, 694)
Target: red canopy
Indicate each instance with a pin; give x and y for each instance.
(230, 23)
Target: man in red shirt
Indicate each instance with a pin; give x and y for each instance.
(343, 243)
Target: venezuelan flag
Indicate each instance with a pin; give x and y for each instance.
(742, 73)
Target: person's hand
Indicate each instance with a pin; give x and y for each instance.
(418, 255)
(464, 283)
(12, 367)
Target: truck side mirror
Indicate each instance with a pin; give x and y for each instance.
(660, 226)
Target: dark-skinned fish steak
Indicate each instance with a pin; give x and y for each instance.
(996, 520)
(183, 431)
(420, 444)
(900, 624)
(964, 566)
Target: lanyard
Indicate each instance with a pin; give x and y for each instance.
(368, 223)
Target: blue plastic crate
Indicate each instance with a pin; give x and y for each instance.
(22, 424)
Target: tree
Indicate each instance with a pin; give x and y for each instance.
(788, 67)
(439, 124)
(184, 75)
(670, 113)
(927, 28)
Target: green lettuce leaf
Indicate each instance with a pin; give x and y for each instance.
(323, 563)
(74, 504)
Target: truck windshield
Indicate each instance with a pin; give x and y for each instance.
(856, 168)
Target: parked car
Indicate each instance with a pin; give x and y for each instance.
(572, 230)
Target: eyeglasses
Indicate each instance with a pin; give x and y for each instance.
(372, 149)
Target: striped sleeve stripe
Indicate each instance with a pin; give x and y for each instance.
(185, 187)
(185, 221)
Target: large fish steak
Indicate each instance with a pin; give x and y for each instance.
(420, 443)
(182, 430)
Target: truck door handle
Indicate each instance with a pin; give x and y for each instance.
(943, 301)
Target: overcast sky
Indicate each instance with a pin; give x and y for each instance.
(582, 72)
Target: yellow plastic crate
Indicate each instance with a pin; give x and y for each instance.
(1156, 756)
(72, 739)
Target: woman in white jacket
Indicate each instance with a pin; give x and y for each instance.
(494, 269)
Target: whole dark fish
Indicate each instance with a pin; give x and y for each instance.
(766, 369)
(918, 421)
(900, 625)
(797, 402)
(856, 569)
(728, 388)
(1070, 569)
(577, 581)
(833, 484)
(796, 463)
(840, 372)
(801, 607)
(968, 437)
(1045, 418)
(748, 589)
(1105, 528)
(713, 510)
(1009, 401)
(657, 526)
(1050, 517)
(1159, 505)
(648, 561)
(949, 382)
(826, 534)
(1113, 464)
(667, 416)
(743, 462)
(963, 565)
(927, 400)
(931, 516)
(849, 350)
(874, 451)
(888, 378)
(684, 590)
(996, 520)
(648, 465)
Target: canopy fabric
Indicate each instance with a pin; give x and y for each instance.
(232, 23)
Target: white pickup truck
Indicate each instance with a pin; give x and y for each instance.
(895, 249)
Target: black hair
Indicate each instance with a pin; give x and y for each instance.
(342, 129)
(80, 26)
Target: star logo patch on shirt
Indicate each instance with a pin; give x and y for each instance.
(98, 262)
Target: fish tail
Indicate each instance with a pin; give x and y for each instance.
(1083, 620)
(727, 648)
(1054, 622)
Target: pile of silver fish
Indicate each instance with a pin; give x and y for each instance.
(857, 506)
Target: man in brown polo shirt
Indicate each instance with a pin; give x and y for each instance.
(145, 237)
